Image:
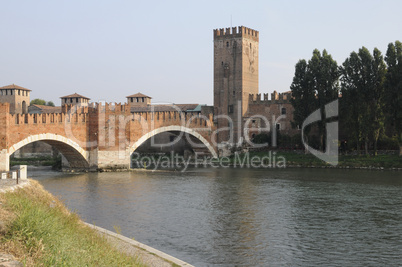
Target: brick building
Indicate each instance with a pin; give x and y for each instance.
(238, 108)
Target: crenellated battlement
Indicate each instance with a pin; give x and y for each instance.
(49, 118)
(276, 98)
(83, 114)
(236, 32)
(174, 116)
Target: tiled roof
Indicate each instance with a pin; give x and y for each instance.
(13, 86)
(75, 95)
(138, 95)
(175, 107)
(45, 109)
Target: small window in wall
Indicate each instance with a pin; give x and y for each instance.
(227, 44)
(19, 92)
(278, 126)
(142, 99)
(230, 109)
(250, 45)
(71, 100)
(283, 111)
(76, 100)
(24, 107)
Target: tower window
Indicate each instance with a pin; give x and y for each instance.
(230, 109)
(283, 111)
(227, 44)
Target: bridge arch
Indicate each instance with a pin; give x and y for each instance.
(173, 128)
(76, 156)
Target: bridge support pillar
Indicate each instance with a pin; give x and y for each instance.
(113, 160)
(4, 160)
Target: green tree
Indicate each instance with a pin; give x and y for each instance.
(38, 101)
(303, 95)
(314, 85)
(50, 104)
(363, 77)
(393, 90)
(349, 115)
(325, 82)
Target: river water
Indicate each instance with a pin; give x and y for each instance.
(246, 217)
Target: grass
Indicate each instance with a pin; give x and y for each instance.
(353, 161)
(39, 231)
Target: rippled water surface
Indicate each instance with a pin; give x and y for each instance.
(227, 217)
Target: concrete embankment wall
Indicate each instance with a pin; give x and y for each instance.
(147, 254)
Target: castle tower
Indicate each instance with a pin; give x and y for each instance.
(75, 99)
(16, 96)
(138, 100)
(235, 78)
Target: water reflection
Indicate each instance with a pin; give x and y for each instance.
(226, 217)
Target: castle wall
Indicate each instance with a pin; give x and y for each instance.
(278, 110)
(4, 135)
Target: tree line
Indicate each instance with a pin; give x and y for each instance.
(38, 101)
(369, 88)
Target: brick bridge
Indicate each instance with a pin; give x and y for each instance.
(99, 136)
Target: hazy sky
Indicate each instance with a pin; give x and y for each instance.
(107, 50)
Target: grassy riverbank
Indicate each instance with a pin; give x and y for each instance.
(309, 160)
(38, 230)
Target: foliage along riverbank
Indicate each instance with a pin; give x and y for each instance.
(294, 159)
(40, 231)
(54, 162)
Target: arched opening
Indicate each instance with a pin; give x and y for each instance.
(50, 147)
(182, 141)
(24, 107)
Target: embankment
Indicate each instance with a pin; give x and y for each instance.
(38, 230)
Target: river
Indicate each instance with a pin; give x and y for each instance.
(246, 217)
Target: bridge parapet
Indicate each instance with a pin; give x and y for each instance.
(49, 118)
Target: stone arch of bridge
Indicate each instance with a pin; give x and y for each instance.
(76, 156)
(174, 128)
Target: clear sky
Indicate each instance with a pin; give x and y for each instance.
(107, 50)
